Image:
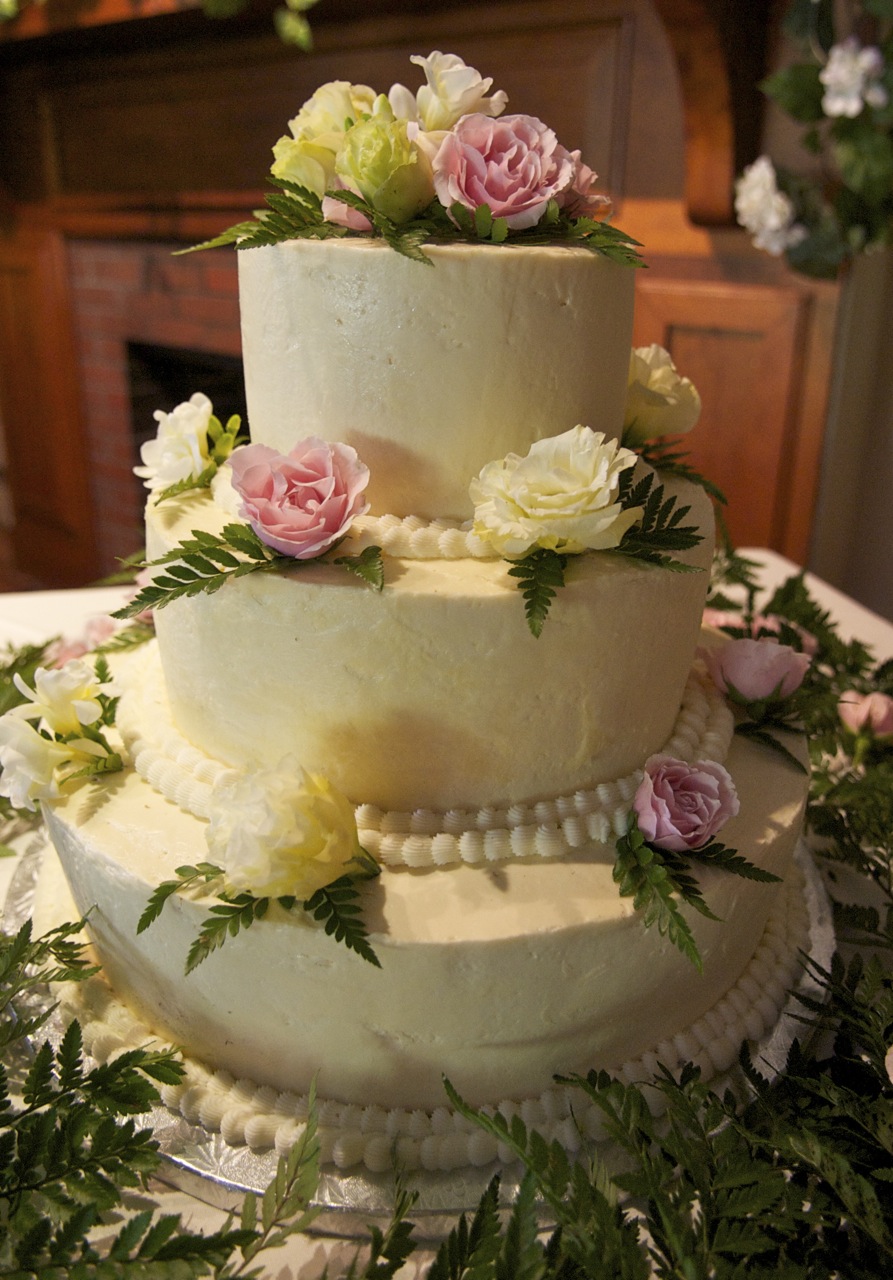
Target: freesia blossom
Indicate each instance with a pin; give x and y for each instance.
(63, 699)
(681, 806)
(29, 762)
(870, 713)
(851, 77)
(562, 495)
(180, 449)
(515, 165)
(302, 502)
(282, 832)
(767, 213)
(452, 90)
(659, 401)
(756, 670)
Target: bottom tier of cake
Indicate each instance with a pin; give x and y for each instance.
(496, 977)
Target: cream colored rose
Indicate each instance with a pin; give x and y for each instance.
(659, 402)
(282, 832)
(378, 160)
(332, 110)
(561, 496)
(303, 162)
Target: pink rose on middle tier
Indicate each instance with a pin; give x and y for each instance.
(513, 164)
(302, 502)
(756, 670)
(681, 806)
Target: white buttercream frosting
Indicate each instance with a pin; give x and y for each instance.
(261, 1117)
(551, 828)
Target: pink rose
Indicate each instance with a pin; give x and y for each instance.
(98, 629)
(514, 164)
(343, 215)
(681, 806)
(867, 713)
(302, 502)
(756, 670)
(580, 199)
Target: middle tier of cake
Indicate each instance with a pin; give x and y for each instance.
(432, 693)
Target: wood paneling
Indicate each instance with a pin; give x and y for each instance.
(745, 349)
(39, 392)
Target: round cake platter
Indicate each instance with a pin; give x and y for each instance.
(200, 1163)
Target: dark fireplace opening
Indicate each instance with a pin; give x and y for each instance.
(162, 377)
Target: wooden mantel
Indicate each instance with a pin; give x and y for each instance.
(145, 121)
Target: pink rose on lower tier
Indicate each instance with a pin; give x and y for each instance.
(756, 670)
(513, 164)
(302, 502)
(867, 713)
(681, 806)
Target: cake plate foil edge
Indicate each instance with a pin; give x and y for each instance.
(201, 1164)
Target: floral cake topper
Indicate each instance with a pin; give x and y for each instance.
(440, 164)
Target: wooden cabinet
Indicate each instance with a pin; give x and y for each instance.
(159, 128)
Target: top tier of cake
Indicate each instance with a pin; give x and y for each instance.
(430, 372)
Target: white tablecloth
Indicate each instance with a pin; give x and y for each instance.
(36, 616)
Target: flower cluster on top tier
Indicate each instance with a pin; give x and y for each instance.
(448, 142)
(437, 165)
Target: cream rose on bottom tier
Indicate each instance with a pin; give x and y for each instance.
(282, 832)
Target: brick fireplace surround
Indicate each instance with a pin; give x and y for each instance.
(130, 291)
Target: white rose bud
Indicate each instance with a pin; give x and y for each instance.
(658, 401)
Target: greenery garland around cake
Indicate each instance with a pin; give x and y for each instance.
(439, 165)
(792, 1180)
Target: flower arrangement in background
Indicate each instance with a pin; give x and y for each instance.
(842, 93)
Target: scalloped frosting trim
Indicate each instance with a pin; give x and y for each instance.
(412, 538)
(262, 1118)
(425, 838)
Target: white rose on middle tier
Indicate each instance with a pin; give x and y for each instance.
(561, 496)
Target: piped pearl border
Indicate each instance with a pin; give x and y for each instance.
(260, 1117)
(412, 538)
(424, 838)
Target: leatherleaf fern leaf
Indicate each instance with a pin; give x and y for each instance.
(661, 529)
(204, 562)
(593, 1236)
(540, 574)
(336, 906)
(657, 880)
